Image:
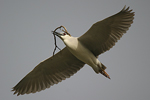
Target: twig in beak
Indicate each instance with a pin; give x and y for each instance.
(55, 45)
(55, 37)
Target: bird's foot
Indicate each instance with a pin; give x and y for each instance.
(103, 72)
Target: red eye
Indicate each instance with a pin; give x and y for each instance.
(64, 33)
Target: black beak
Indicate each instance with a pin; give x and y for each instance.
(56, 33)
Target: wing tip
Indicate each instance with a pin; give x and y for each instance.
(126, 9)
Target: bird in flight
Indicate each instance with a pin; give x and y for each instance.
(78, 51)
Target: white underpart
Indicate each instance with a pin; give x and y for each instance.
(82, 53)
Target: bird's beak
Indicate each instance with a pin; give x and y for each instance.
(56, 33)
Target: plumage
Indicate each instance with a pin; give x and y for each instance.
(48, 73)
(78, 51)
(107, 32)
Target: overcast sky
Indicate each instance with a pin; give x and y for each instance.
(26, 40)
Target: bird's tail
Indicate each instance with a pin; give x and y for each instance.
(102, 70)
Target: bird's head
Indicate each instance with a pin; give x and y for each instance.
(62, 35)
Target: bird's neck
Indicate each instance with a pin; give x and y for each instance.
(71, 42)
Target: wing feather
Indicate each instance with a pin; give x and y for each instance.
(49, 72)
(104, 34)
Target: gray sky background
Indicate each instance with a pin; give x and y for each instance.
(26, 40)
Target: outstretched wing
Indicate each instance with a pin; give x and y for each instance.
(104, 34)
(49, 72)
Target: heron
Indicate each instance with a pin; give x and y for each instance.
(78, 51)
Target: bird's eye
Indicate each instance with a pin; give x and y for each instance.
(64, 33)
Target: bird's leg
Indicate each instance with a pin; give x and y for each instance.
(102, 70)
(104, 73)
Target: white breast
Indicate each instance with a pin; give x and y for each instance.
(81, 52)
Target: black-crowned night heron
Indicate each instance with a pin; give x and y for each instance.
(78, 51)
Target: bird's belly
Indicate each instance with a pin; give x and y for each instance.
(83, 54)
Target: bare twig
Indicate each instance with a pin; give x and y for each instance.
(55, 37)
(55, 45)
(65, 30)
